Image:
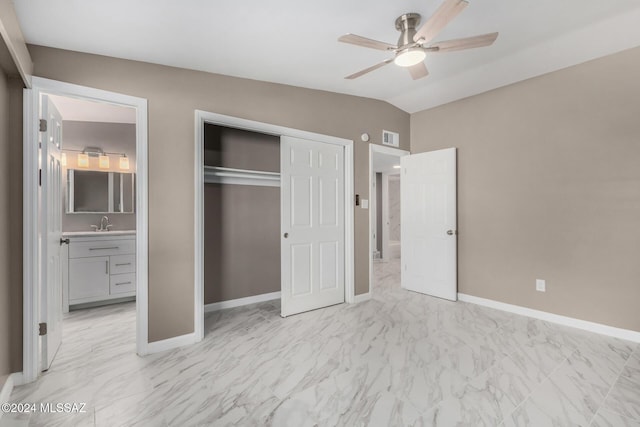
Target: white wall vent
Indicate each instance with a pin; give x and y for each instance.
(390, 138)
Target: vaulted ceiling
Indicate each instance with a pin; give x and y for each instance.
(294, 42)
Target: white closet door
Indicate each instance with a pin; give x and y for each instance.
(428, 223)
(312, 240)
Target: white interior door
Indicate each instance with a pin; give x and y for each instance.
(428, 223)
(51, 232)
(312, 240)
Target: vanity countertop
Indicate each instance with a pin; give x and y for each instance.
(92, 233)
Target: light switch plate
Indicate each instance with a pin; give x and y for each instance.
(364, 203)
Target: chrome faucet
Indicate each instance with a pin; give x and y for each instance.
(104, 224)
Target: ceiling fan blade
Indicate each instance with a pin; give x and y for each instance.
(442, 16)
(365, 42)
(466, 43)
(418, 71)
(368, 70)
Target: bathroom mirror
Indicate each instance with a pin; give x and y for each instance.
(100, 192)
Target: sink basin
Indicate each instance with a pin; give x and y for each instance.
(98, 233)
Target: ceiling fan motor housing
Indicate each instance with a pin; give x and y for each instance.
(407, 24)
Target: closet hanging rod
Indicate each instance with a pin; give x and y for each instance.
(220, 175)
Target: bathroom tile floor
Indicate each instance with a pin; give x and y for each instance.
(399, 359)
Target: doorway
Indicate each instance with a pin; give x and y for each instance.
(70, 184)
(428, 219)
(344, 192)
(384, 213)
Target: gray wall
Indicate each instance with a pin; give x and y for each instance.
(242, 241)
(10, 220)
(240, 149)
(5, 226)
(112, 138)
(549, 188)
(173, 94)
(241, 222)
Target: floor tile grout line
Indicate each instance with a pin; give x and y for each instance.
(613, 384)
(541, 383)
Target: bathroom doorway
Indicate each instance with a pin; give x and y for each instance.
(88, 208)
(384, 213)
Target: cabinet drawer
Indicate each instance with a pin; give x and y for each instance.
(122, 264)
(121, 283)
(101, 248)
(88, 277)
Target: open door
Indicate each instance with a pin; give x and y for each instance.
(428, 223)
(312, 212)
(51, 231)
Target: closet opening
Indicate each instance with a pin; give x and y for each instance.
(241, 218)
(274, 209)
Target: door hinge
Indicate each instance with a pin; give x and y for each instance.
(42, 328)
(43, 125)
(40, 177)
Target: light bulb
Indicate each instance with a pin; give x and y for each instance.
(410, 57)
(83, 160)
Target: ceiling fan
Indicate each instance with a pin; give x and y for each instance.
(413, 45)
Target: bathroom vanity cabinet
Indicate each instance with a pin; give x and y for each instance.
(100, 267)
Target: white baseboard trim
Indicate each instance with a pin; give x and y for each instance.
(12, 381)
(171, 343)
(241, 301)
(362, 297)
(598, 328)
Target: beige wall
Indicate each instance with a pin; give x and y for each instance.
(549, 188)
(173, 95)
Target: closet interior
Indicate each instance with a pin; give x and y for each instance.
(241, 214)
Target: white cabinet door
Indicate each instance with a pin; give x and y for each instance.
(312, 243)
(428, 223)
(88, 277)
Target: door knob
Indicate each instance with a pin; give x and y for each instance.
(451, 232)
(64, 241)
(286, 235)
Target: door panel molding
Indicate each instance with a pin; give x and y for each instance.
(428, 223)
(321, 199)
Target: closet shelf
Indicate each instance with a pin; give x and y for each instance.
(220, 175)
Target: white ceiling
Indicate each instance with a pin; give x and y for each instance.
(294, 42)
(90, 111)
(384, 163)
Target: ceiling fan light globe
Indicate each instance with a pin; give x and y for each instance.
(409, 57)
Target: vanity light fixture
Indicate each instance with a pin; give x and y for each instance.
(103, 161)
(396, 166)
(83, 160)
(63, 159)
(124, 162)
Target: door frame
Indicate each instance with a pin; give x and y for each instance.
(31, 232)
(202, 117)
(375, 148)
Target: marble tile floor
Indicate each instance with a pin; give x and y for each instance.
(399, 359)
